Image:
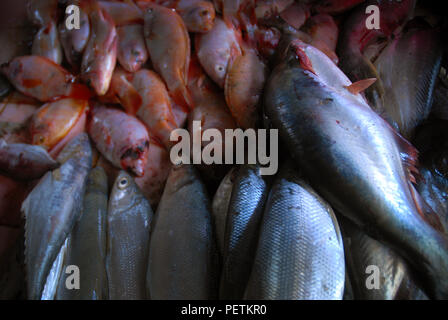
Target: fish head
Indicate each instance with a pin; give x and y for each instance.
(124, 191)
(134, 159)
(201, 16)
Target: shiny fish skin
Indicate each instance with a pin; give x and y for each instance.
(220, 206)
(75, 41)
(24, 162)
(132, 52)
(216, 48)
(87, 243)
(249, 194)
(409, 71)
(46, 43)
(183, 254)
(121, 139)
(100, 55)
(168, 46)
(41, 78)
(337, 139)
(300, 253)
(52, 209)
(198, 15)
(396, 281)
(128, 233)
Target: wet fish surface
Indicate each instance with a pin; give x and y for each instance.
(87, 244)
(128, 233)
(300, 253)
(249, 194)
(340, 140)
(51, 210)
(183, 255)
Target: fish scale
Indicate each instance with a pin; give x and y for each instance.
(52, 209)
(249, 194)
(128, 232)
(300, 253)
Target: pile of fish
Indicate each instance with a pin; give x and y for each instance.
(92, 207)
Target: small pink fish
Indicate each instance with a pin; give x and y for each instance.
(132, 52)
(122, 139)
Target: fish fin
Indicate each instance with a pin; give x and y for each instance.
(425, 211)
(298, 48)
(409, 156)
(361, 85)
(182, 97)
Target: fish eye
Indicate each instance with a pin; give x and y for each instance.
(123, 183)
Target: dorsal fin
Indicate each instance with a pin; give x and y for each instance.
(361, 85)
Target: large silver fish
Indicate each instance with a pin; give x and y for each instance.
(249, 194)
(408, 68)
(355, 160)
(300, 254)
(51, 210)
(128, 233)
(87, 244)
(183, 255)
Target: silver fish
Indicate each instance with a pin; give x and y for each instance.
(365, 165)
(182, 255)
(87, 243)
(300, 253)
(249, 194)
(128, 233)
(51, 210)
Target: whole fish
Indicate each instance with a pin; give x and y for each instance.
(23, 161)
(46, 43)
(409, 71)
(155, 111)
(52, 122)
(337, 138)
(74, 41)
(168, 45)
(100, 55)
(243, 87)
(86, 247)
(121, 138)
(216, 48)
(395, 280)
(51, 210)
(220, 207)
(132, 53)
(357, 38)
(249, 194)
(128, 233)
(300, 253)
(41, 78)
(182, 254)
